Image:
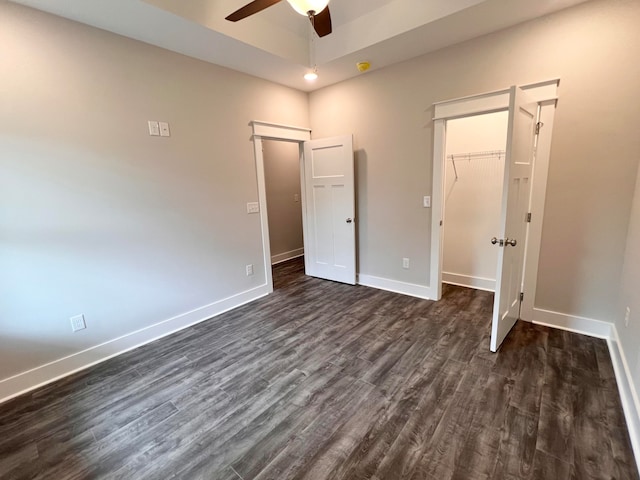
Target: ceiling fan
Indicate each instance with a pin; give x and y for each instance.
(316, 10)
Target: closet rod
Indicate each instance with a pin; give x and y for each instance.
(468, 156)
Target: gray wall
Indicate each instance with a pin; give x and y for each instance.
(594, 49)
(96, 216)
(282, 182)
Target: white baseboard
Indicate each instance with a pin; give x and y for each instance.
(50, 372)
(628, 392)
(396, 286)
(283, 257)
(478, 283)
(572, 323)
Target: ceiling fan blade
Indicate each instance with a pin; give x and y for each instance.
(251, 8)
(322, 22)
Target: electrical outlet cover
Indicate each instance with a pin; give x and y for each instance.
(78, 323)
(164, 129)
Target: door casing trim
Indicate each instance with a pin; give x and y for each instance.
(286, 133)
(545, 93)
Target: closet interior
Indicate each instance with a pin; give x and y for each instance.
(474, 174)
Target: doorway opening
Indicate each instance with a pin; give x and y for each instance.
(264, 131)
(284, 205)
(327, 201)
(530, 111)
(473, 178)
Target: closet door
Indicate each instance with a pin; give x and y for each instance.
(515, 201)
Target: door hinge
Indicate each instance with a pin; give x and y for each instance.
(539, 125)
(529, 217)
(521, 296)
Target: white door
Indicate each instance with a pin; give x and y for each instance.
(515, 202)
(330, 237)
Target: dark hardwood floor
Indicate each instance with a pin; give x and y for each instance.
(327, 381)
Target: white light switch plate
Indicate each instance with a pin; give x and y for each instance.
(154, 128)
(253, 207)
(426, 201)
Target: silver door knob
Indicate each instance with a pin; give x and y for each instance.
(349, 220)
(513, 242)
(494, 240)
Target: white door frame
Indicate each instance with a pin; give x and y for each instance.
(545, 93)
(286, 133)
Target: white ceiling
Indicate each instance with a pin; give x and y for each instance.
(274, 44)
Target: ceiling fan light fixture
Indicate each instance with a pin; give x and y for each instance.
(303, 7)
(312, 75)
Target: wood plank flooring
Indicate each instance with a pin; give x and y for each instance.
(327, 381)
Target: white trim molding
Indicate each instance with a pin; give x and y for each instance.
(493, 101)
(437, 208)
(628, 392)
(287, 133)
(37, 377)
(545, 93)
(411, 289)
(284, 256)
(473, 105)
(280, 132)
(536, 208)
(572, 323)
(479, 283)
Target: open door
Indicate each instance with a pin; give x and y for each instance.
(330, 238)
(515, 202)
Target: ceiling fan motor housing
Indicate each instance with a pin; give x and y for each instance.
(316, 10)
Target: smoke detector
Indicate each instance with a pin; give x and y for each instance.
(363, 66)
